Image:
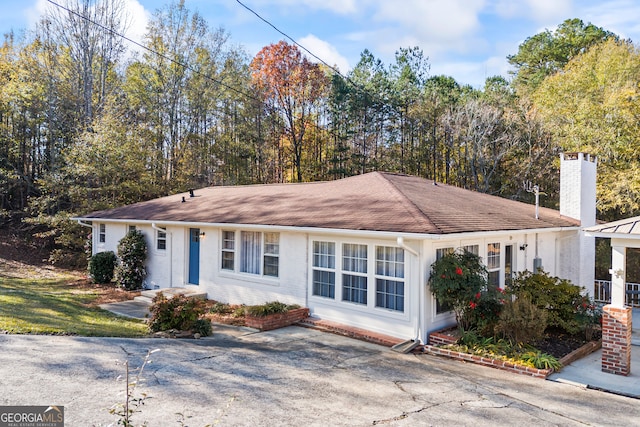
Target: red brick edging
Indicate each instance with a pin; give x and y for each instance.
(486, 361)
(581, 352)
(275, 321)
(440, 339)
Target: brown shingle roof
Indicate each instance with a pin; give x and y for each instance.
(375, 201)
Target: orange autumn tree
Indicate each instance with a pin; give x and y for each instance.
(293, 86)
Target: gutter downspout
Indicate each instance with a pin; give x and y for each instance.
(403, 245)
(168, 233)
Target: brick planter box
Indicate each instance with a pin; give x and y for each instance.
(275, 321)
(486, 361)
(442, 338)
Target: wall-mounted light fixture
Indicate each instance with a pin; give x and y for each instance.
(202, 234)
(523, 247)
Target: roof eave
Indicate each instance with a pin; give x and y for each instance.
(335, 231)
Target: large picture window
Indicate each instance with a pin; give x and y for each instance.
(257, 253)
(390, 278)
(324, 264)
(354, 277)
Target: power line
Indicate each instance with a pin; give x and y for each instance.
(335, 70)
(185, 66)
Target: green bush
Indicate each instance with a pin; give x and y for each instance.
(268, 308)
(555, 296)
(484, 310)
(202, 327)
(179, 312)
(101, 266)
(221, 308)
(455, 280)
(132, 251)
(541, 360)
(521, 321)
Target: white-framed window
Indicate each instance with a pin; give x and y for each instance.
(228, 250)
(324, 265)
(390, 278)
(271, 258)
(474, 249)
(102, 233)
(493, 264)
(256, 252)
(161, 239)
(440, 253)
(354, 276)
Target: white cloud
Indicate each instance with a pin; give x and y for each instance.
(434, 19)
(341, 7)
(36, 11)
(138, 18)
(549, 10)
(324, 50)
(619, 16)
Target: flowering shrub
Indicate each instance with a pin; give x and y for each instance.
(484, 310)
(132, 252)
(588, 315)
(455, 280)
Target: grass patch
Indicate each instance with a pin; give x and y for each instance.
(54, 306)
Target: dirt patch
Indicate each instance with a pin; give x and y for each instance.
(14, 247)
(559, 344)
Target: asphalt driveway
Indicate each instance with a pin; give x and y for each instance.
(292, 376)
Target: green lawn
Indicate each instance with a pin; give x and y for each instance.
(51, 306)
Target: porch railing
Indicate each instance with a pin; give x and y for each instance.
(602, 293)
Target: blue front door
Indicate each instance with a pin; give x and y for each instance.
(194, 256)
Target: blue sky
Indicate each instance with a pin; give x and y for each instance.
(466, 39)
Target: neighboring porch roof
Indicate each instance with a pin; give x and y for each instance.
(628, 228)
(375, 201)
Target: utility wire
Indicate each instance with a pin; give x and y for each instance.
(358, 87)
(186, 66)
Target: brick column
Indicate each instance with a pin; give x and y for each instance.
(616, 340)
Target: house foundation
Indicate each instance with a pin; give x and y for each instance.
(616, 340)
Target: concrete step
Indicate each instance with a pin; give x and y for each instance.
(171, 292)
(144, 299)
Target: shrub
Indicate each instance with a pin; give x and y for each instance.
(221, 308)
(202, 327)
(455, 280)
(484, 310)
(588, 315)
(541, 360)
(101, 266)
(521, 321)
(268, 308)
(553, 295)
(179, 312)
(132, 251)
